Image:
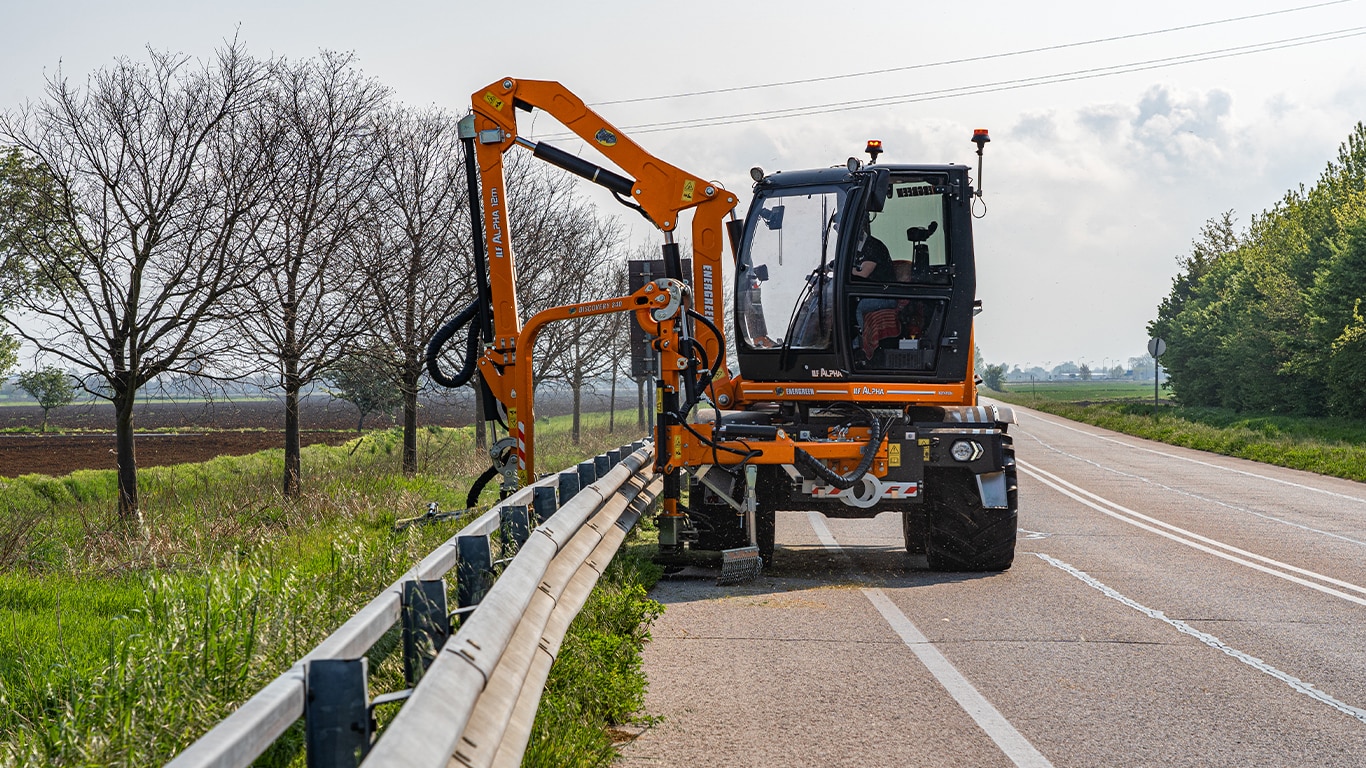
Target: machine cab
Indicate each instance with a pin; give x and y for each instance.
(863, 276)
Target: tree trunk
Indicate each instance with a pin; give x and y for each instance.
(410, 384)
(577, 386)
(293, 468)
(640, 404)
(127, 456)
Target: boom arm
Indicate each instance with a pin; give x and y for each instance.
(660, 190)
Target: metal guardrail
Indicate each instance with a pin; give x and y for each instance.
(475, 695)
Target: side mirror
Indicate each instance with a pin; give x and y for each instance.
(772, 218)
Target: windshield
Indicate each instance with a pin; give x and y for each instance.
(785, 295)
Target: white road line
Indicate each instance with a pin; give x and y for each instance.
(1243, 472)
(1011, 742)
(1139, 520)
(1205, 499)
(1252, 661)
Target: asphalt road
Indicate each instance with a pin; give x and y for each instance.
(1166, 607)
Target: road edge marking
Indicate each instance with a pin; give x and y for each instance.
(994, 724)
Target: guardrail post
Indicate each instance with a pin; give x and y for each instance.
(543, 501)
(336, 713)
(569, 485)
(613, 457)
(602, 465)
(473, 570)
(426, 626)
(515, 526)
(588, 474)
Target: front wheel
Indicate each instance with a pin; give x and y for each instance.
(963, 535)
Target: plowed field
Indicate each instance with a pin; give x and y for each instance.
(203, 431)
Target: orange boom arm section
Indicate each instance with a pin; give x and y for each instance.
(661, 192)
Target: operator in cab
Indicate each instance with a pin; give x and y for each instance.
(872, 260)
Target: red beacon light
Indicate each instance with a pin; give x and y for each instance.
(980, 137)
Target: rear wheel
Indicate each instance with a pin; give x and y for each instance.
(962, 534)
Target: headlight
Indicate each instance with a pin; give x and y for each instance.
(966, 450)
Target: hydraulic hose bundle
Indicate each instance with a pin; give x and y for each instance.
(810, 464)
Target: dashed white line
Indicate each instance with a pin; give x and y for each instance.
(1194, 540)
(1010, 741)
(1252, 661)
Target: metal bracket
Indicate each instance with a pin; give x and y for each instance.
(514, 524)
(474, 569)
(337, 727)
(426, 626)
(675, 290)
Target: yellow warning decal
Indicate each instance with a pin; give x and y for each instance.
(688, 187)
(678, 446)
(493, 101)
(894, 454)
(512, 415)
(659, 405)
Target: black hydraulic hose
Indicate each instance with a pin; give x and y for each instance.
(481, 278)
(472, 500)
(808, 463)
(444, 335)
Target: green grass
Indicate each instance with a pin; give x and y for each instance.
(121, 643)
(597, 681)
(1327, 446)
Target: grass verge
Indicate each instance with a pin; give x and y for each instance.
(121, 644)
(1327, 446)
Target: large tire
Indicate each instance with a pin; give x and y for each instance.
(765, 528)
(964, 536)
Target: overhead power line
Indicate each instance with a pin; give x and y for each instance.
(991, 87)
(970, 59)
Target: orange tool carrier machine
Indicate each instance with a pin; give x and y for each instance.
(853, 306)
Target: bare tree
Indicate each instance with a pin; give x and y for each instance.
(300, 310)
(152, 179)
(415, 256)
(566, 251)
(587, 246)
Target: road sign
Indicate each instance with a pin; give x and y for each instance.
(1156, 347)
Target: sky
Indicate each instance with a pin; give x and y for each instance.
(1105, 158)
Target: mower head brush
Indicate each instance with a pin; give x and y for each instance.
(740, 565)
